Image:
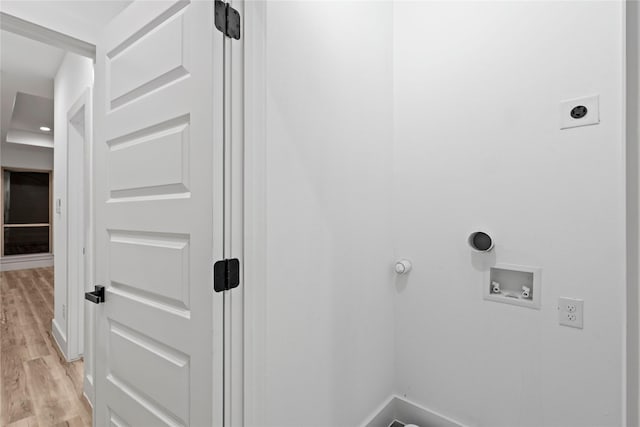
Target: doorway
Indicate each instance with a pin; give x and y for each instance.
(46, 340)
(79, 235)
(43, 152)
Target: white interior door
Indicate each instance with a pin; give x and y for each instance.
(159, 216)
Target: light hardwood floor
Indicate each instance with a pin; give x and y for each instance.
(38, 387)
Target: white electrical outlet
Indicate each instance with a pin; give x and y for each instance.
(571, 312)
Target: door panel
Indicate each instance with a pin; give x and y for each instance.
(155, 266)
(135, 65)
(159, 210)
(167, 144)
(152, 357)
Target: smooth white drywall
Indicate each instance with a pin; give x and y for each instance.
(15, 155)
(633, 211)
(30, 138)
(478, 145)
(26, 157)
(73, 78)
(329, 298)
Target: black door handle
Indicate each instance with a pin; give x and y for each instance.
(96, 296)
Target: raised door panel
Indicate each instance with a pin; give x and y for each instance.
(150, 58)
(155, 266)
(151, 161)
(156, 373)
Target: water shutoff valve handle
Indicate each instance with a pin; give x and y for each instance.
(403, 266)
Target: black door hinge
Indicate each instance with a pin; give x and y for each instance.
(226, 274)
(227, 20)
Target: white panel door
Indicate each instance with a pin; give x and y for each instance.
(159, 216)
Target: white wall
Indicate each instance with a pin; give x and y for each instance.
(329, 303)
(73, 77)
(477, 89)
(633, 211)
(26, 157)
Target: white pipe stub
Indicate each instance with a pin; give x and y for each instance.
(480, 241)
(403, 266)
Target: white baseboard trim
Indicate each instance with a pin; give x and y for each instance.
(60, 338)
(24, 262)
(89, 390)
(88, 400)
(397, 408)
(383, 415)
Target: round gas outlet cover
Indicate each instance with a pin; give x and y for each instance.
(480, 241)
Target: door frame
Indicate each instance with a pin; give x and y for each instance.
(234, 203)
(255, 214)
(49, 36)
(632, 130)
(79, 317)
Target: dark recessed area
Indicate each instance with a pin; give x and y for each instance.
(480, 241)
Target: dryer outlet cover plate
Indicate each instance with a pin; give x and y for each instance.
(578, 105)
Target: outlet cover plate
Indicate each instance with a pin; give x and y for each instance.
(592, 117)
(571, 312)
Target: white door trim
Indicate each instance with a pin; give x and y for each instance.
(632, 124)
(46, 35)
(234, 222)
(75, 290)
(80, 322)
(254, 284)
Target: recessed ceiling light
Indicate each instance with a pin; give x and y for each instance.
(45, 129)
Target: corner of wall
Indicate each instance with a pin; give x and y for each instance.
(59, 337)
(633, 212)
(397, 408)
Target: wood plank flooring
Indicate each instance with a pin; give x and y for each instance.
(38, 387)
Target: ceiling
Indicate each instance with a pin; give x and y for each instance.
(94, 12)
(80, 19)
(20, 55)
(26, 88)
(28, 67)
(30, 113)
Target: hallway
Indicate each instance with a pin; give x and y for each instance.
(38, 387)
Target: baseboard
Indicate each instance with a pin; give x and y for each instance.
(87, 403)
(59, 338)
(89, 390)
(397, 408)
(24, 262)
(383, 415)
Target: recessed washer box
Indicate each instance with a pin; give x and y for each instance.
(513, 284)
(577, 112)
